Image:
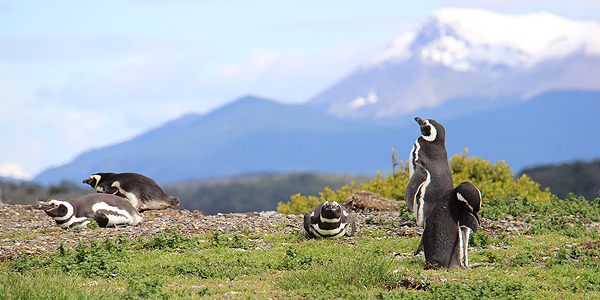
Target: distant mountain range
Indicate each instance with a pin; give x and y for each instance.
(520, 88)
(257, 135)
(248, 136)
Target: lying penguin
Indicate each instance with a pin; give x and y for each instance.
(107, 210)
(329, 220)
(143, 192)
(446, 236)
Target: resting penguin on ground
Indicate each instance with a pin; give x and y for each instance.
(143, 192)
(329, 220)
(429, 170)
(446, 235)
(107, 210)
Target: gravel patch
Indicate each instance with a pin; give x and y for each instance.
(27, 230)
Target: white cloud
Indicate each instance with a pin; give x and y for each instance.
(14, 170)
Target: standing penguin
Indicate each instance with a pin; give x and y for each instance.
(107, 210)
(329, 220)
(429, 170)
(143, 192)
(446, 235)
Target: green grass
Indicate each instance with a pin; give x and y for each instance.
(556, 258)
(540, 266)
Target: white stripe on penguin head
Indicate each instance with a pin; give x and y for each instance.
(97, 178)
(69, 207)
(462, 199)
(432, 132)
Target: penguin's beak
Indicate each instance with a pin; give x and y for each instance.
(87, 180)
(46, 206)
(420, 121)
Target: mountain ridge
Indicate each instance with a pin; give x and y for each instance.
(298, 138)
(246, 136)
(459, 53)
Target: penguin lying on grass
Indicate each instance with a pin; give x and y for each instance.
(446, 235)
(143, 192)
(329, 220)
(107, 210)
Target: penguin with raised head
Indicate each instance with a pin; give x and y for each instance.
(329, 220)
(429, 170)
(107, 210)
(143, 192)
(446, 235)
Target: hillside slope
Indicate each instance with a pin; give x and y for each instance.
(248, 136)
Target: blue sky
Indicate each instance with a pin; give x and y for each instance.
(78, 75)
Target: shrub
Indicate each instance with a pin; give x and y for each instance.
(151, 289)
(493, 180)
(93, 260)
(334, 278)
(171, 241)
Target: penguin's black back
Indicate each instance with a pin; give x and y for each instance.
(455, 214)
(148, 194)
(440, 237)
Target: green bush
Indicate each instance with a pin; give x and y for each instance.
(171, 241)
(93, 260)
(493, 180)
(151, 289)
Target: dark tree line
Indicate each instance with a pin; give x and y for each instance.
(259, 192)
(580, 178)
(29, 193)
(255, 193)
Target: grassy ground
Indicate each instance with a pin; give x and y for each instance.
(544, 265)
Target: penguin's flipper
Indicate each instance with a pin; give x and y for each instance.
(307, 225)
(101, 219)
(111, 190)
(413, 185)
(352, 229)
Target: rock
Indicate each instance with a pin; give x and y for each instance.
(365, 201)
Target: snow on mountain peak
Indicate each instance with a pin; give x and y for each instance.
(463, 38)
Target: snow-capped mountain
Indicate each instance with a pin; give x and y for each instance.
(469, 53)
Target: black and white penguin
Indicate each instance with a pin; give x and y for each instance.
(143, 192)
(446, 235)
(107, 210)
(429, 170)
(329, 220)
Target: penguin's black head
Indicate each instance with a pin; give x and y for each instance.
(331, 210)
(55, 209)
(469, 196)
(93, 180)
(431, 130)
